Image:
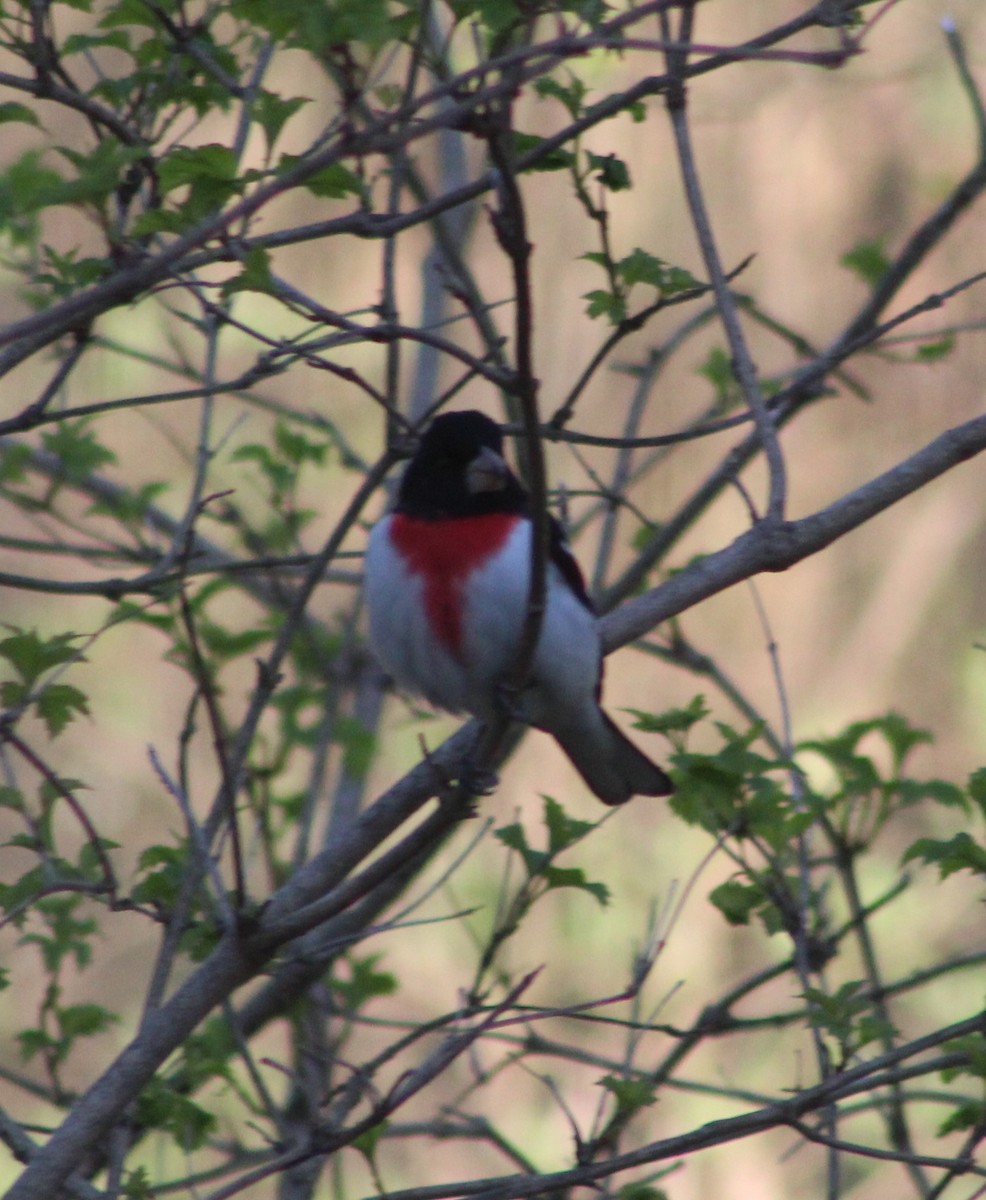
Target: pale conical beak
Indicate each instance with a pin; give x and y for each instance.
(486, 473)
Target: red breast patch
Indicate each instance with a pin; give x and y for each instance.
(445, 553)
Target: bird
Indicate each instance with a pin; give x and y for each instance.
(446, 579)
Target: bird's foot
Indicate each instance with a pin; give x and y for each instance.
(478, 779)
(473, 778)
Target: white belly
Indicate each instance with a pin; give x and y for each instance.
(567, 659)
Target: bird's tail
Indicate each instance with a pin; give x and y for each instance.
(611, 765)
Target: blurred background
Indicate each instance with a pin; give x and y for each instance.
(800, 164)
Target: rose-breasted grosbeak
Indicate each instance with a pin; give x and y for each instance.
(447, 577)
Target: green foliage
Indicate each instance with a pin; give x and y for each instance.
(77, 449)
(630, 1095)
(130, 508)
(160, 1106)
(553, 159)
(496, 16)
(935, 351)
(613, 173)
(563, 832)
(255, 275)
(958, 853)
(12, 111)
(638, 267)
(364, 983)
(161, 872)
(169, 167)
(273, 112)
(846, 1015)
(334, 182)
(320, 29)
(674, 723)
(281, 467)
(638, 1190)
(868, 794)
(868, 260)
(63, 934)
(571, 93)
(32, 657)
(969, 1114)
(718, 370)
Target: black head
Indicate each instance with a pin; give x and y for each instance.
(459, 471)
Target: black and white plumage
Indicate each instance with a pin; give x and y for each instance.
(447, 579)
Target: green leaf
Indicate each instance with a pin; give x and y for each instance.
(27, 186)
(137, 1185)
(10, 797)
(630, 1094)
(331, 183)
(34, 1041)
(737, 901)
(162, 220)
(14, 461)
(563, 830)
(128, 12)
(99, 170)
(973, 1046)
(84, 1020)
(673, 720)
(11, 111)
(14, 896)
(929, 352)
(514, 837)
(603, 303)
(58, 703)
(359, 745)
(959, 853)
(900, 734)
(130, 506)
(367, 1141)
(611, 171)
(64, 274)
(163, 874)
(868, 260)
(969, 1114)
(65, 935)
(497, 16)
(296, 447)
(555, 159)
(916, 791)
(637, 1189)
(189, 164)
(159, 1106)
(639, 266)
(74, 443)
(977, 789)
(718, 370)
(226, 644)
(90, 864)
(255, 275)
(82, 43)
(211, 174)
(365, 982)
(207, 1052)
(574, 877)
(31, 655)
(572, 94)
(13, 694)
(272, 113)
